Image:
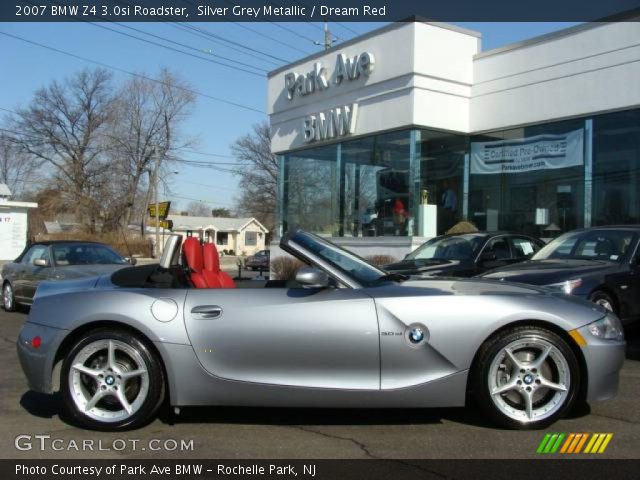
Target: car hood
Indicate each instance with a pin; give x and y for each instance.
(426, 267)
(48, 288)
(545, 272)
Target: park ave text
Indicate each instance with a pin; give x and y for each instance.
(307, 470)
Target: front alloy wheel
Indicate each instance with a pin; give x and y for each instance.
(8, 300)
(111, 381)
(528, 378)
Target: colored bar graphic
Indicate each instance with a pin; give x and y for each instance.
(574, 443)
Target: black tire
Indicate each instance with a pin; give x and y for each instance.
(155, 375)
(604, 300)
(7, 289)
(494, 348)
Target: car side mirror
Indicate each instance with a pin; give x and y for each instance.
(488, 257)
(41, 262)
(131, 260)
(310, 277)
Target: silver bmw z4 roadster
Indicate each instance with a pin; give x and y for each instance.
(341, 333)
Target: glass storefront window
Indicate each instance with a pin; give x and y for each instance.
(529, 180)
(616, 168)
(376, 186)
(310, 191)
(442, 175)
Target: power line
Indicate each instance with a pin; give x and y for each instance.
(209, 39)
(290, 30)
(190, 47)
(175, 49)
(257, 32)
(139, 75)
(232, 42)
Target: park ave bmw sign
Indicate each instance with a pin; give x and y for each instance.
(338, 121)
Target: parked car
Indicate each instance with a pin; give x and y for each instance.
(466, 255)
(601, 264)
(55, 260)
(258, 261)
(344, 334)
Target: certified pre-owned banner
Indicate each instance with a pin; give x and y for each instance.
(540, 152)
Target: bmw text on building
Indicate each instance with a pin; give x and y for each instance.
(398, 134)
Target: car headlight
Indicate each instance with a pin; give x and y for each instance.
(607, 328)
(567, 286)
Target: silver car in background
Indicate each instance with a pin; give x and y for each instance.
(343, 334)
(52, 261)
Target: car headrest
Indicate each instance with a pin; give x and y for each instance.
(192, 251)
(211, 257)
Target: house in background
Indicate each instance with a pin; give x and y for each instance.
(234, 236)
(13, 224)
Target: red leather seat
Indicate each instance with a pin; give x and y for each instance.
(212, 272)
(192, 252)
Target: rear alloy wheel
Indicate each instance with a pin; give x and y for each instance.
(111, 381)
(8, 299)
(526, 378)
(604, 300)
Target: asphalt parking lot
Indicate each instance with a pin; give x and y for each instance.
(237, 433)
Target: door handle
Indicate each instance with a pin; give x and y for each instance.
(206, 311)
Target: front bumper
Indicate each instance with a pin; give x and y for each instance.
(604, 359)
(37, 363)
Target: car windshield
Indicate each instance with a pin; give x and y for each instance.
(458, 247)
(85, 254)
(610, 245)
(345, 261)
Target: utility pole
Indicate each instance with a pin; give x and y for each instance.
(327, 36)
(156, 168)
(328, 41)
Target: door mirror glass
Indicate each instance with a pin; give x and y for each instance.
(310, 277)
(41, 262)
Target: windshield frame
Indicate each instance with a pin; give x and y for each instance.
(290, 245)
(483, 239)
(53, 246)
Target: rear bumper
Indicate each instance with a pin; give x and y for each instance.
(604, 359)
(37, 363)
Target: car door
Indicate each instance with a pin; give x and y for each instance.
(34, 274)
(523, 248)
(496, 253)
(625, 282)
(22, 271)
(322, 338)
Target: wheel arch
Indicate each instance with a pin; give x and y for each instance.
(67, 344)
(605, 289)
(575, 348)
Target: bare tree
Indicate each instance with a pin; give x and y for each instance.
(198, 209)
(221, 212)
(17, 169)
(258, 173)
(63, 127)
(143, 137)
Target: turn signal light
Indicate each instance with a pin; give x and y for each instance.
(36, 342)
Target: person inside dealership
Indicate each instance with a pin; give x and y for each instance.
(449, 204)
(400, 215)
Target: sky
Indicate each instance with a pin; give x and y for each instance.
(215, 124)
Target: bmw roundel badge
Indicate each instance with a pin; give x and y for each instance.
(416, 335)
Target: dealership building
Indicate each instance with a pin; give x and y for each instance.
(394, 136)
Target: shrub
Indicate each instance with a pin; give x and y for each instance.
(285, 268)
(463, 226)
(380, 259)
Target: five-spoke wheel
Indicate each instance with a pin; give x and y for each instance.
(111, 379)
(526, 378)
